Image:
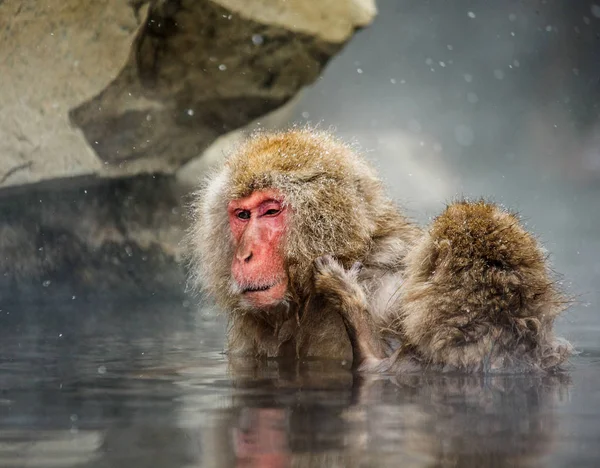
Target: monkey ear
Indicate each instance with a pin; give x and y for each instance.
(431, 257)
(441, 253)
(427, 256)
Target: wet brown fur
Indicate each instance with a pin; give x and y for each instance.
(471, 293)
(478, 294)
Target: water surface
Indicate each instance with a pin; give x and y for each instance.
(147, 385)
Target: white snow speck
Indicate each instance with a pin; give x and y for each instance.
(464, 135)
(472, 98)
(414, 125)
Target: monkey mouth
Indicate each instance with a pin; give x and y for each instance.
(252, 289)
(262, 295)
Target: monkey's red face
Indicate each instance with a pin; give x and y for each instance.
(258, 224)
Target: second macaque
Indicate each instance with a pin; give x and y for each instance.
(297, 241)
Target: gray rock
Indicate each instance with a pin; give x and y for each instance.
(92, 239)
(127, 87)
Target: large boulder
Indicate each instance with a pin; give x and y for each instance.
(101, 102)
(121, 87)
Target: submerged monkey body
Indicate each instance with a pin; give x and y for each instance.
(297, 241)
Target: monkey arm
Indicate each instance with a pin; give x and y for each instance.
(343, 293)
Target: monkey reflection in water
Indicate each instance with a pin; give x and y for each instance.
(417, 419)
(261, 437)
(296, 240)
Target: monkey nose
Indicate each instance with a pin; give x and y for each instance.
(244, 256)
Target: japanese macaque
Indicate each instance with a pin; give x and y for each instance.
(297, 241)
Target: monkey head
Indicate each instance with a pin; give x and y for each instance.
(280, 201)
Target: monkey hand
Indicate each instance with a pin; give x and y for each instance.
(340, 287)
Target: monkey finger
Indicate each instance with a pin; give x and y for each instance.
(356, 268)
(324, 261)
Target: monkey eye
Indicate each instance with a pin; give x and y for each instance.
(243, 214)
(271, 212)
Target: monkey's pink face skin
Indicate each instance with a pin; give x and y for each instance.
(258, 224)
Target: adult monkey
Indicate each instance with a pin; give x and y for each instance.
(295, 238)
